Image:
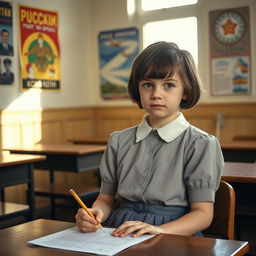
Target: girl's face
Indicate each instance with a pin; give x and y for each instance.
(161, 98)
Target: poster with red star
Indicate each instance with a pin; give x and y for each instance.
(39, 48)
(230, 52)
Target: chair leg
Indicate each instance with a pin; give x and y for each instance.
(237, 227)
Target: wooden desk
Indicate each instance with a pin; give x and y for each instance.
(239, 172)
(90, 140)
(242, 177)
(13, 242)
(63, 157)
(239, 151)
(17, 169)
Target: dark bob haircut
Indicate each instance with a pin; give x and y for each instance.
(160, 60)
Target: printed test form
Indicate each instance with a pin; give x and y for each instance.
(98, 243)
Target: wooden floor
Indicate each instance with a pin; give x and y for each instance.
(248, 226)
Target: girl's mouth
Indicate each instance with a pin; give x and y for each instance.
(156, 106)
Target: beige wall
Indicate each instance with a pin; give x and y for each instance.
(80, 22)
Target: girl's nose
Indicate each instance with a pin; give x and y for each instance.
(156, 93)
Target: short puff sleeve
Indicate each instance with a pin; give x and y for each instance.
(203, 168)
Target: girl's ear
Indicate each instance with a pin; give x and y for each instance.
(185, 97)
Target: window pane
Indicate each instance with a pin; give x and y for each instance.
(182, 31)
(149, 5)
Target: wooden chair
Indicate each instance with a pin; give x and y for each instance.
(224, 213)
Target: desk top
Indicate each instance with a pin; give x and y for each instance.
(239, 172)
(239, 144)
(7, 159)
(64, 149)
(13, 242)
(90, 140)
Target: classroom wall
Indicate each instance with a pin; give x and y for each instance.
(80, 22)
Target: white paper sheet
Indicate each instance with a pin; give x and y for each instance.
(98, 243)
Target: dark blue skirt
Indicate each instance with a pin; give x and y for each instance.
(154, 214)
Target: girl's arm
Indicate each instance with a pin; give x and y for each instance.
(101, 209)
(104, 203)
(198, 219)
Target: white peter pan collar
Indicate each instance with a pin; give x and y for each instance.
(168, 132)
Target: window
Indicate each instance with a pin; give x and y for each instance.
(181, 31)
(150, 5)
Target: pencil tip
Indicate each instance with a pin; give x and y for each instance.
(71, 190)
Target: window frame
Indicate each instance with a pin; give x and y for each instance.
(161, 9)
(194, 10)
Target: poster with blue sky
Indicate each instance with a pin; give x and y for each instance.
(117, 50)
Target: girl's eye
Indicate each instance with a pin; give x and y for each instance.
(168, 85)
(147, 85)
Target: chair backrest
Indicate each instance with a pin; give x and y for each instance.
(222, 225)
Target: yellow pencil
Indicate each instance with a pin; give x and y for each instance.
(74, 194)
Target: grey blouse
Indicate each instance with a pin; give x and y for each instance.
(173, 165)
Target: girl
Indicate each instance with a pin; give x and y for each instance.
(160, 176)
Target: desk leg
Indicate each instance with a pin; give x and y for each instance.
(31, 193)
(53, 213)
(2, 195)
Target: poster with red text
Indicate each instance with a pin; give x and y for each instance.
(39, 48)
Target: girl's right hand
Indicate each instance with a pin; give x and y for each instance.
(86, 223)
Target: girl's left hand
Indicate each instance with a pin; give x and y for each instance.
(136, 227)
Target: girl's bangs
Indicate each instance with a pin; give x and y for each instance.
(159, 68)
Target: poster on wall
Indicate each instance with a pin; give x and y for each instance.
(6, 44)
(39, 48)
(117, 50)
(230, 52)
